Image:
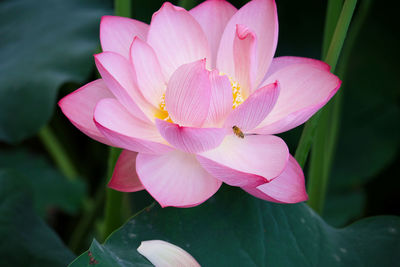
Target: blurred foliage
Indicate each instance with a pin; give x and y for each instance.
(369, 138)
(44, 44)
(51, 189)
(25, 239)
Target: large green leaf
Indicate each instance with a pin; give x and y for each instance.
(50, 188)
(236, 229)
(43, 45)
(25, 239)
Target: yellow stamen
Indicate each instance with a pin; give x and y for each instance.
(162, 112)
(238, 98)
(237, 92)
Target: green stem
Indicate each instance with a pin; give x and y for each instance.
(332, 57)
(310, 128)
(332, 14)
(57, 152)
(113, 214)
(317, 176)
(123, 8)
(328, 120)
(82, 229)
(355, 29)
(306, 139)
(357, 23)
(340, 33)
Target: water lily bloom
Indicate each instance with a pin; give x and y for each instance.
(195, 99)
(164, 254)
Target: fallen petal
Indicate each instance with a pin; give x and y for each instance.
(164, 254)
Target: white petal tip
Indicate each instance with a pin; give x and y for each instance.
(164, 254)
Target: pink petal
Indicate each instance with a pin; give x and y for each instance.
(125, 131)
(148, 71)
(79, 106)
(119, 77)
(175, 179)
(282, 62)
(189, 139)
(118, 74)
(161, 253)
(221, 99)
(124, 177)
(188, 94)
(213, 16)
(289, 187)
(304, 90)
(245, 51)
(260, 17)
(253, 111)
(247, 162)
(176, 37)
(117, 33)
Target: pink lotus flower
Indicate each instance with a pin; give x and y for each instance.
(194, 99)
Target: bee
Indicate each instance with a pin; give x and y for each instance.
(238, 132)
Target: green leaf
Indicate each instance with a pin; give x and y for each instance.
(236, 229)
(50, 188)
(25, 239)
(43, 45)
(344, 207)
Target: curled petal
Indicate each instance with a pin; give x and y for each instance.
(163, 254)
(176, 37)
(79, 108)
(188, 94)
(245, 51)
(189, 139)
(124, 177)
(253, 111)
(175, 179)
(247, 162)
(213, 17)
(304, 90)
(289, 187)
(260, 16)
(125, 131)
(117, 33)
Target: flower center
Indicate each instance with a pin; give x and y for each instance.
(236, 93)
(162, 112)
